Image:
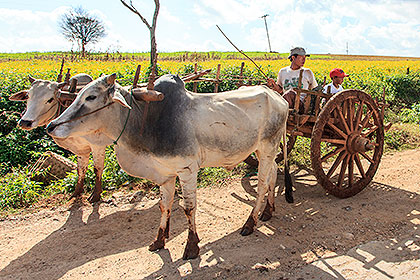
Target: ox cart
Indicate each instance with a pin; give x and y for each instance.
(347, 134)
(347, 137)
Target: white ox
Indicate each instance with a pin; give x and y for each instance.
(42, 106)
(177, 136)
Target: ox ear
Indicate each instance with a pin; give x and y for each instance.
(117, 97)
(110, 80)
(19, 96)
(31, 80)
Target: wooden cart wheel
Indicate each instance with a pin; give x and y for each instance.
(291, 139)
(347, 143)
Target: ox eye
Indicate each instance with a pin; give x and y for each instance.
(50, 100)
(90, 98)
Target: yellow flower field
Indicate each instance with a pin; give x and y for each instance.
(321, 67)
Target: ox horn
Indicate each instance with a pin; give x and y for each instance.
(147, 94)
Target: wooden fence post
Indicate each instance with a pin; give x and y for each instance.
(241, 75)
(195, 83)
(216, 85)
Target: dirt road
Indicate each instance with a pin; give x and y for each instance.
(373, 235)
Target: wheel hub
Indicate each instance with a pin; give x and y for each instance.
(356, 144)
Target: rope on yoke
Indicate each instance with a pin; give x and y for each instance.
(126, 120)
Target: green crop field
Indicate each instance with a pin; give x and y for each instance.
(19, 149)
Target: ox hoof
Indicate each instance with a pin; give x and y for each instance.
(191, 251)
(246, 230)
(94, 198)
(265, 216)
(267, 213)
(156, 245)
(248, 227)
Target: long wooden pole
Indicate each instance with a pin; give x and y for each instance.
(258, 67)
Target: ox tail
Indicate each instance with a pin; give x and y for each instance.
(288, 184)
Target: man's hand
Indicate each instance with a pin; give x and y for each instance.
(273, 85)
(270, 82)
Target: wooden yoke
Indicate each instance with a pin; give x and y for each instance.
(146, 94)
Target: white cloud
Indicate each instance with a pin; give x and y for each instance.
(387, 27)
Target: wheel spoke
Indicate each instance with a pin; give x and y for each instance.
(367, 157)
(350, 115)
(336, 163)
(359, 165)
(343, 120)
(365, 120)
(332, 153)
(351, 174)
(343, 170)
(359, 115)
(336, 129)
(370, 131)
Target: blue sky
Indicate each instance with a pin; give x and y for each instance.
(374, 27)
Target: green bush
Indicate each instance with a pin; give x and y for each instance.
(405, 88)
(411, 115)
(113, 176)
(17, 190)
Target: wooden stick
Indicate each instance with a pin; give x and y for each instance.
(259, 68)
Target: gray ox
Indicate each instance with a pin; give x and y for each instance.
(43, 106)
(180, 134)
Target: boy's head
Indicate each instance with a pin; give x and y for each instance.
(337, 76)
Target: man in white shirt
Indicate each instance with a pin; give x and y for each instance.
(288, 77)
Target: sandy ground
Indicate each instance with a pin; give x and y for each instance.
(373, 235)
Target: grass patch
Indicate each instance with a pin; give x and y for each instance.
(402, 136)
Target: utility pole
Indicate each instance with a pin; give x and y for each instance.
(266, 29)
(347, 48)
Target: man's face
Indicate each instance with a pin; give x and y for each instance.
(299, 60)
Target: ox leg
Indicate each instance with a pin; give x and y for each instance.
(167, 192)
(82, 166)
(188, 179)
(264, 171)
(269, 207)
(98, 161)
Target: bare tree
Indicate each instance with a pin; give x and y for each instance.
(152, 28)
(79, 26)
